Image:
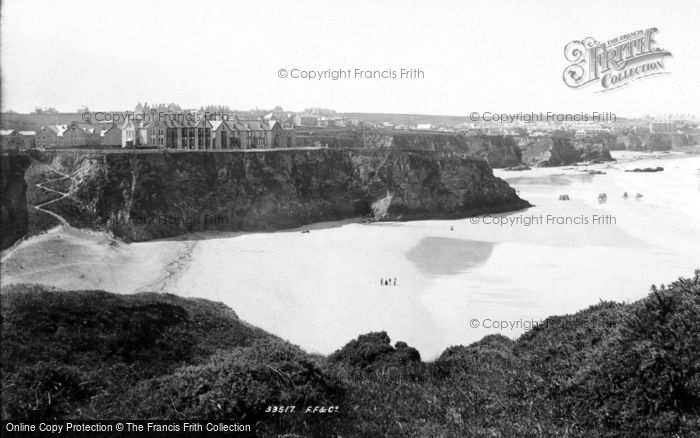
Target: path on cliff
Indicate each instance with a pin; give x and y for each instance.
(40, 207)
(7, 253)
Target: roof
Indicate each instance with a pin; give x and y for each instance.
(56, 129)
(106, 129)
(87, 127)
(7, 131)
(160, 124)
(233, 124)
(253, 125)
(203, 122)
(27, 132)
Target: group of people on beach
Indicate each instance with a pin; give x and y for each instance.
(387, 282)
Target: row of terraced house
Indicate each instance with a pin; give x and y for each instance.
(207, 134)
(202, 134)
(77, 135)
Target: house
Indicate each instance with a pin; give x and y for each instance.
(10, 140)
(222, 136)
(287, 122)
(202, 133)
(257, 135)
(337, 122)
(306, 120)
(162, 133)
(175, 134)
(149, 133)
(92, 134)
(662, 127)
(111, 136)
(128, 133)
(424, 127)
(152, 134)
(50, 136)
(589, 130)
(264, 134)
(74, 136)
(275, 135)
(28, 139)
(241, 134)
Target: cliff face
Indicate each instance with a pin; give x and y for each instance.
(655, 142)
(498, 150)
(146, 196)
(666, 142)
(631, 142)
(13, 202)
(560, 151)
(593, 151)
(548, 151)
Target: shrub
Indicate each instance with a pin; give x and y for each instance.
(646, 380)
(101, 344)
(240, 385)
(44, 391)
(373, 351)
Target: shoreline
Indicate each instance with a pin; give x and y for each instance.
(265, 276)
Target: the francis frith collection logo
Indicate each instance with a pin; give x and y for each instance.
(614, 63)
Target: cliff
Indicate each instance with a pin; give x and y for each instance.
(13, 189)
(498, 150)
(141, 196)
(548, 151)
(655, 142)
(561, 151)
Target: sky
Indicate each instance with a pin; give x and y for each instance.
(475, 56)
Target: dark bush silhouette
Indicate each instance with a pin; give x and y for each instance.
(630, 370)
(373, 351)
(647, 378)
(240, 384)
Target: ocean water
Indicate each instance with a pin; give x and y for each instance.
(456, 280)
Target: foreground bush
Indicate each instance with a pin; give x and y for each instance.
(373, 351)
(630, 370)
(242, 384)
(646, 380)
(70, 354)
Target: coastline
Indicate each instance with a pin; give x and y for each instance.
(344, 298)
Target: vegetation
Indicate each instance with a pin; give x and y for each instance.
(610, 370)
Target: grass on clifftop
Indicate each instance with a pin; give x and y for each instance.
(610, 370)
